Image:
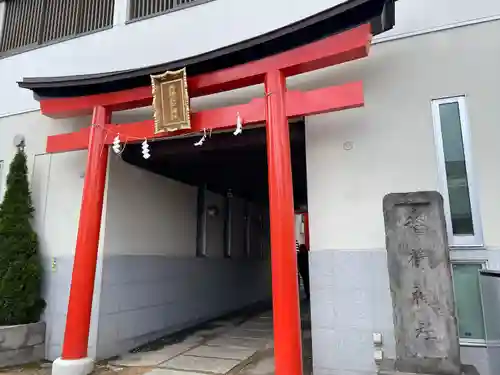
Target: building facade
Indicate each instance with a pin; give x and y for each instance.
(429, 123)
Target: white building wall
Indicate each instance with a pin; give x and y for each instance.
(419, 68)
(148, 214)
(131, 45)
(415, 17)
(152, 281)
(356, 157)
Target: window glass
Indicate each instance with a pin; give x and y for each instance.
(30, 23)
(456, 171)
(144, 8)
(468, 301)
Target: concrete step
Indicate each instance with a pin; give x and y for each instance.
(466, 370)
(385, 372)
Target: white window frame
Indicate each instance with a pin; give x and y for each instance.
(3, 7)
(456, 241)
(484, 265)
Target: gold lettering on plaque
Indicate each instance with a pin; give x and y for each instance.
(171, 101)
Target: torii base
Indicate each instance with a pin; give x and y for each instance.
(83, 366)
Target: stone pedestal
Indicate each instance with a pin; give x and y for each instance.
(22, 344)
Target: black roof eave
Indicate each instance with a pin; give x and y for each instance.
(350, 14)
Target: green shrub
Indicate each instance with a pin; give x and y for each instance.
(20, 265)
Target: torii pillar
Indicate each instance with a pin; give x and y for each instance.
(286, 309)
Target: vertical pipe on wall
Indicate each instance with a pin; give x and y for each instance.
(262, 237)
(228, 224)
(76, 335)
(286, 309)
(305, 217)
(201, 223)
(248, 223)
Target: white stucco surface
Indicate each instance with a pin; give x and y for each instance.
(420, 16)
(220, 22)
(148, 214)
(57, 180)
(392, 137)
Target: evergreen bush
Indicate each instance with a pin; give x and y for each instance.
(20, 265)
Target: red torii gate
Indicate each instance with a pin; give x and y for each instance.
(275, 108)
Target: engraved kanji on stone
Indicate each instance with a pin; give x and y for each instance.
(416, 257)
(424, 331)
(417, 295)
(416, 222)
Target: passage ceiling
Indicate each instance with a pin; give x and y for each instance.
(224, 162)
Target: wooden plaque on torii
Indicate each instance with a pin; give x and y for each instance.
(170, 101)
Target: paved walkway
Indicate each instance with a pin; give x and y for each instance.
(239, 345)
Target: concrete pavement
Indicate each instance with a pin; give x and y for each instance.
(233, 346)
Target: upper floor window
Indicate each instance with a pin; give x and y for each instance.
(29, 23)
(144, 8)
(454, 161)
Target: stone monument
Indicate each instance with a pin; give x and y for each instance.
(425, 325)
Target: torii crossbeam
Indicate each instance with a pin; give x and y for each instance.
(298, 104)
